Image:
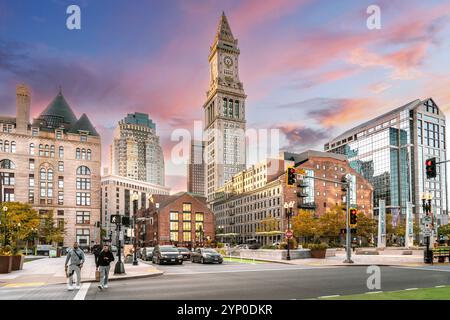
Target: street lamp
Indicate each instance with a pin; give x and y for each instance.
(135, 198)
(426, 206)
(288, 208)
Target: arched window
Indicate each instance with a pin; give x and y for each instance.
(61, 152)
(78, 154)
(32, 149)
(13, 146)
(52, 151)
(83, 154)
(50, 174)
(6, 146)
(43, 174)
(7, 164)
(1, 145)
(41, 150)
(89, 154)
(230, 108)
(83, 171)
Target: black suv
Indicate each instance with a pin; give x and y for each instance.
(167, 254)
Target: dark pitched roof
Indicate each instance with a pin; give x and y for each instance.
(84, 124)
(59, 108)
(165, 200)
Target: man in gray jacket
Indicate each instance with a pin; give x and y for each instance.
(76, 258)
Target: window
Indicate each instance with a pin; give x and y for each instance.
(225, 106)
(83, 171)
(83, 154)
(52, 151)
(83, 199)
(230, 108)
(83, 237)
(78, 154)
(41, 150)
(60, 198)
(61, 152)
(199, 217)
(8, 179)
(187, 236)
(174, 236)
(187, 226)
(174, 216)
(60, 212)
(31, 196)
(58, 134)
(83, 138)
(7, 164)
(83, 184)
(89, 154)
(83, 217)
(13, 147)
(31, 180)
(34, 132)
(6, 146)
(236, 109)
(60, 182)
(61, 166)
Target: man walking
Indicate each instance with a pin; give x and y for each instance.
(103, 264)
(76, 258)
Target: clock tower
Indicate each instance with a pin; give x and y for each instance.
(224, 112)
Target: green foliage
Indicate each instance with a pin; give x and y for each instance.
(50, 231)
(292, 244)
(367, 227)
(316, 246)
(444, 230)
(305, 225)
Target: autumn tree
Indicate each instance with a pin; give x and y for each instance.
(444, 230)
(331, 222)
(268, 224)
(20, 221)
(366, 227)
(306, 226)
(51, 232)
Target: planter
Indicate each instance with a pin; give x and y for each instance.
(318, 254)
(17, 262)
(5, 264)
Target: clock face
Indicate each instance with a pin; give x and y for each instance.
(228, 61)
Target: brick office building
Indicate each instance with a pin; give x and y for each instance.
(260, 192)
(182, 219)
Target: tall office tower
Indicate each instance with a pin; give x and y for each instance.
(196, 168)
(390, 151)
(224, 112)
(136, 152)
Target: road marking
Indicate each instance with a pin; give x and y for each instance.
(371, 292)
(410, 289)
(235, 271)
(81, 294)
(439, 286)
(24, 284)
(424, 269)
(332, 296)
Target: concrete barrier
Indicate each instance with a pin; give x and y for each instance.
(270, 254)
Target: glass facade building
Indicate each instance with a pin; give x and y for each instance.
(390, 152)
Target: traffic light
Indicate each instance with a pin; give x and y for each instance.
(290, 176)
(430, 165)
(353, 216)
(125, 220)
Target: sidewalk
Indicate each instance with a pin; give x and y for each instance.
(359, 260)
(51, 271)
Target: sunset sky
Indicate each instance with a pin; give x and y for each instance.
(310, 68)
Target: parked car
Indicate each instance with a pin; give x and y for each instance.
(241, 246)
(185, 252)
(253, 244)
(206, 255)
(147, 253)
(167, 254)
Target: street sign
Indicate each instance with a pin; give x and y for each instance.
(427, 233)
(289, 234)
(115, 218)
(427, 220)
(301, 171)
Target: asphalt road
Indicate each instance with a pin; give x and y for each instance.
(243, 281)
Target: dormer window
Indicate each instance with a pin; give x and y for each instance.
(83, 138)
(59, 134)
(34, 132)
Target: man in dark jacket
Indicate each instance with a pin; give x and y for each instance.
(103, 262)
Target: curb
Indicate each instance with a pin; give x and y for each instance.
(125, 277)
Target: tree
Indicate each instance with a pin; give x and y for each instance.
(20, 221)
(331, 222)
(305, 225)
(268, 224)
(50, 231)
(444, 230)
(366, 227)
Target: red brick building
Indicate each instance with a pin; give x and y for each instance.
(182, 219)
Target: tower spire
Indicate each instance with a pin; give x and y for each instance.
(224, 31)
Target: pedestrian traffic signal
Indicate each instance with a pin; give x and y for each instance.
(430, 165)
(290, 176)
(353, 216)
(125, 220)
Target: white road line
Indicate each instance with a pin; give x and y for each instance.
(424, 269)
(371, 292)
(410, 289)
(332, 296)
(81, 294)
(439, 286)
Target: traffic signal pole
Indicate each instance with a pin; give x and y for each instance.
(348, 235)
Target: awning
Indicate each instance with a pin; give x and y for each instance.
(269, 233)
(227, 234)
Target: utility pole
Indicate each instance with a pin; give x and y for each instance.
(346, 185)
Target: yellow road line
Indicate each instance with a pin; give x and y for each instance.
(24, 284)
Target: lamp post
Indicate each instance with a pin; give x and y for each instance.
(426, 206)
(5, 228)
(135, 199)
(119, 267)
(288, 208)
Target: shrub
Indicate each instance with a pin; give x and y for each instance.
(268, 247)
(316, 246)
(219, 245)
(292, 244)
(6, 251)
